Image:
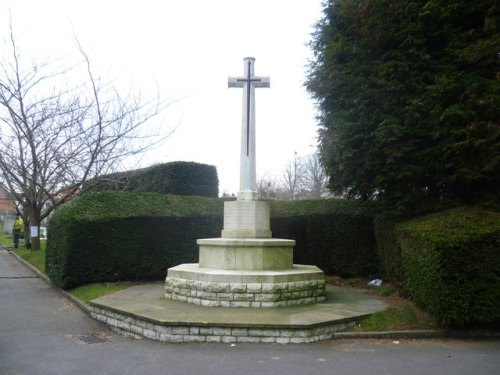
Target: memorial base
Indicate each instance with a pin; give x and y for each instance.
(300, 285)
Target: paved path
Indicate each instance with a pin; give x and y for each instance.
(41, 331)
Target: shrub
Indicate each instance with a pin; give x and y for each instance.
(451, 265)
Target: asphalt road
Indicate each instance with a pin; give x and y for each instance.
(41, 332)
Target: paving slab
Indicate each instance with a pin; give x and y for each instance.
(147, 302)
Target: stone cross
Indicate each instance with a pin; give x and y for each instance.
(249, 82)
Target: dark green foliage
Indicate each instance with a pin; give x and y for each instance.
(335, 235)
(451, 265)
(408, 95)
(179, 178)
(388, 249)
(113, 236)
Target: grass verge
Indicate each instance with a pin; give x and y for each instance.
(35, 258)
(87, 293)
(396, 318)
(401, 315)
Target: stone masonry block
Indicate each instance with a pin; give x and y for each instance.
(214, 339)
(274, 287)
(150, 334)
(112, 322)
(267, 297)
(286, 296)
(206, 295)
(282, 340)
(171, 338)
(239, 331)
(294, 333)
(268, 340)
(136, 329)
(194, 338)
(254, 288)
(222, 331)
(216, 287)
(206, 331)
(225, 296)
(180, 330)
(163, 329)
(244, 297)
(238, 287)
(263, 332)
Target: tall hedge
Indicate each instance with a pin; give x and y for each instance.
(450, 264)
(114, 235)
(179, 178)
(335, 235)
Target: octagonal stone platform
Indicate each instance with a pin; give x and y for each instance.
(299, 285)
(141, 311)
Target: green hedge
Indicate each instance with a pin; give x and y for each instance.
(113, 235)
(388, 249)
(451, 265)
(335, 235)
(179, 178)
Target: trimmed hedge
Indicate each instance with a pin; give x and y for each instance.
(179, 178)
(450, 264)
(111, 236)
(388, 249)
(335, 235)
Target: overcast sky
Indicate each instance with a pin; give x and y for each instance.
(189, 48)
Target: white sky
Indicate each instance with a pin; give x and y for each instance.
(189, 48)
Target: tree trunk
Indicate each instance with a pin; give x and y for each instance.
(27, 242)
(34, 221)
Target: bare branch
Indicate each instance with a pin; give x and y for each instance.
(55, 136)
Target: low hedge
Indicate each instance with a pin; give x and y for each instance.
(451, 265)
(111, 236)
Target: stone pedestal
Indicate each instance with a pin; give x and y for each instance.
(245, 267)
(246, 219)
(246, 254)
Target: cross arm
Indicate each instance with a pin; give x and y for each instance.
(235, 82)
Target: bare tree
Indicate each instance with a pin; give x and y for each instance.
(314, 177)
(56, 138)
(267, 187)
(292, 178)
